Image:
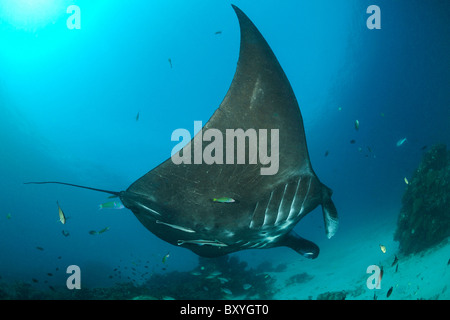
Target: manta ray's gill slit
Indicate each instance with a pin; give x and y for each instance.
(274, 210)
(260, 212)
(302, 208)
(267, 210)
(253, 216)
(294, 201)
(280, 210)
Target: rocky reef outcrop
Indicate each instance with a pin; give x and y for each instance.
(424, 219)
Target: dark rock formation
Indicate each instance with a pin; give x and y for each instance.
(332, 295)
(424, 219)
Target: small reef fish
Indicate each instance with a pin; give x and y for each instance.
(226, 291)
(214, 274)
(165, 257)
(246, 286)
(389, 292)
(395, 261)
(137, 117)
(170, 62)
(93, 232)
(65, 233)
(8, 216)
(381, 275)
(326, 153)
(62, 217)
(401, 142)
(218, 32)
(383, 248)
(406, 180)
(224, 200)
(222, 280)
(40, 248)
(111, 205)
(103, 230)
(352, 141)
(356, 125)
(215, 243)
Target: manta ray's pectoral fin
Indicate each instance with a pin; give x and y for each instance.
(330, 215)
(306, 248)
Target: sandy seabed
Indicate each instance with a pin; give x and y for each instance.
(341, 269)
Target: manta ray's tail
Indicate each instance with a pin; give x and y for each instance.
(75, 185)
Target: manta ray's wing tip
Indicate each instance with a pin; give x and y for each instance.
(330, 215)
(331, 219)
(331, 226)
(237, 10)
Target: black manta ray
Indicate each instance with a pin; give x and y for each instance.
(174, 201)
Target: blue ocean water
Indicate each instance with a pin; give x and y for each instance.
(69, 99)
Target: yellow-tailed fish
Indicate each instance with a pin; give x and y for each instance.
(103, 230)
(224, 200)
(165, 257)
(406, 180)
(111, 205)
(383, 248)
(62, 217)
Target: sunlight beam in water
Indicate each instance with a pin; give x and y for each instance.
(30, 15)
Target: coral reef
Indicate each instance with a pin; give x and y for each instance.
(299, 278)
(424, 219)
(219, 278)
(332, 295)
